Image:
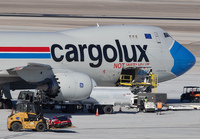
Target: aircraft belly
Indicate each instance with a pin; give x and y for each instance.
(165, 76)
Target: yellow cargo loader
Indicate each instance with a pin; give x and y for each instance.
(27, 116)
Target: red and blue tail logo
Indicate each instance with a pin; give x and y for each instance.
(25, 53)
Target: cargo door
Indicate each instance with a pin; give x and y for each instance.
(128, 76)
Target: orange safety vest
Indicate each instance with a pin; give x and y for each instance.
(159, 105)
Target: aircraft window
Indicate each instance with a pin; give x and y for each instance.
(166, 35)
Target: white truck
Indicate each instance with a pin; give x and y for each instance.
(104, 98)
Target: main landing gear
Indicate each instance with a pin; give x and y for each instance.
(5, 103)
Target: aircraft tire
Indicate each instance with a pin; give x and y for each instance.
(1, 104)
(16, 127)
(40, 127)
(7, 104)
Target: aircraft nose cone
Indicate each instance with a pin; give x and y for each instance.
(183, 59)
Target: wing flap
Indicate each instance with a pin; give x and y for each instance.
(34, 72)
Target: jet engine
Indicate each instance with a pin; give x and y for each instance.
(69, 86)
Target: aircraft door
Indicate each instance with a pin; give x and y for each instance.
(157, 37)
(130, 71)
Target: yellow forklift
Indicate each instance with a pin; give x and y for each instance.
(27, 116)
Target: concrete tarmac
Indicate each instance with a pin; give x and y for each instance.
(126, 124)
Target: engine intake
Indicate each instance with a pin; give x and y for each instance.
(70, 86)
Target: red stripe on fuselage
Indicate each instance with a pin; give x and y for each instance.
(24, 49)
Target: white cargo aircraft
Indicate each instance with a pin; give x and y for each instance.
(67, 64)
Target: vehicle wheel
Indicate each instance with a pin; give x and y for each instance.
(16, 126)
(108, 109)
(41, 127)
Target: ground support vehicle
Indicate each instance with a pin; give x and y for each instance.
(105, 98)
(152, 99)
(184, 107)
(59, 122)
(38, 96)
(191, 93)
(149, 107)
(30, 116)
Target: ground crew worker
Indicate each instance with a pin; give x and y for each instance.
(150, 75)
(159, 107)
(145, 100)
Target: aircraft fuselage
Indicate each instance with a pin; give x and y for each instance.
(99, 52)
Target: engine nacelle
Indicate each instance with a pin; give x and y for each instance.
(73, 86)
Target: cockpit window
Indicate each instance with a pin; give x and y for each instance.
(166, 35)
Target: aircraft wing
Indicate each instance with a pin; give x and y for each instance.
(61, 85)
(33, 66)
(33, 72)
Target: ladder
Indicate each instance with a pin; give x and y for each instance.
(154, 79)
